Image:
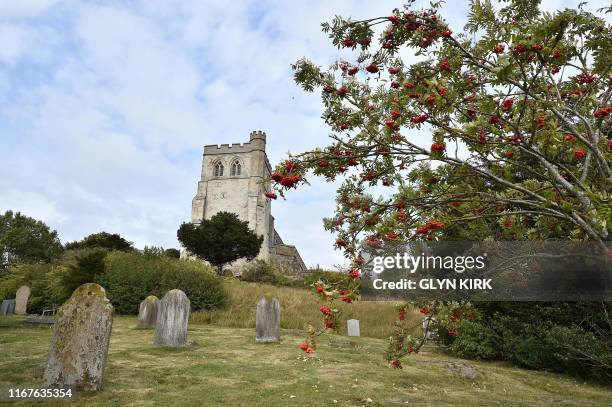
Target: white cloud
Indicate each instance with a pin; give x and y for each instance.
(105, 107)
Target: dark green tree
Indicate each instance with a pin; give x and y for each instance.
(102, 240)
(85, 266)
(173, 253)
(24, 239)
(220, 239)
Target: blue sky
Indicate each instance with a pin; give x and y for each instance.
(105, 107)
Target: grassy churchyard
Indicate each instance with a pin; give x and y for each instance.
(225, 366)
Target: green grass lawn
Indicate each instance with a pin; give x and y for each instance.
(224, 366)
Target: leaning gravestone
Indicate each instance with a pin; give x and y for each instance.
(21, 300)
(81, 335)
(172, 319)
(267, 320)
(352, 326)
(147, 315)
(8, 307)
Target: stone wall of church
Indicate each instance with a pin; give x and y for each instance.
(242, 194)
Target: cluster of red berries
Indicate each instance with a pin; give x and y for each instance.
(570, 138)
(344, 296)
(586, 78)
(429, 226)
(506, 105)
(603, 112)
(305, 346)
(372, 68)
(578, 154)
(444, 65)
(288, 181)
(438, 147)
(419, 118)
(270, 195)
(349, 42)
(329, 323)
(499, 48)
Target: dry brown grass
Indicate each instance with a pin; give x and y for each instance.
(298, 308)
(226, 367)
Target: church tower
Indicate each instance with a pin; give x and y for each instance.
(233, 179)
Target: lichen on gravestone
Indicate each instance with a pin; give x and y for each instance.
(81, 335)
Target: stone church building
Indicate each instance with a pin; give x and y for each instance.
(234, 178)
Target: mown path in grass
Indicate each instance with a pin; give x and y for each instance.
(224, 366)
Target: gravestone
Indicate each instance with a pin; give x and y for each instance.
(147, 315)
(21, 300)
(81, 335)
(267, 320)
(352, 326)
(8, 307)
(429, 328)
(172, 319)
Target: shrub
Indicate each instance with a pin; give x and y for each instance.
(562, 337)
(41, 279)
(82, 266)
(203, 286)
(477, 341)
(328, 277)
(260, 271)
(131, 277)
(172, 252)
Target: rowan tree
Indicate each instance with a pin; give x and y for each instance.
(507, 120)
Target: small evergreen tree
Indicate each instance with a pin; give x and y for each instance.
(220, 239)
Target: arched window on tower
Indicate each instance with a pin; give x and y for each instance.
(218, 169)
(236, 168)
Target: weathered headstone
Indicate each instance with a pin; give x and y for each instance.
(8, 307)
(172, 319)
(429, 328)
(21, 300)
(267, 320)
(147, 315)
(81, 335)
(352, 326)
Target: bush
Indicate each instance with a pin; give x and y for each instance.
(477, 341)
(328, 277)
(260, 271)
(42, 280)
(131, 277)
(201, 283)
(568, 338)
(82, 266)
(174, 253)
